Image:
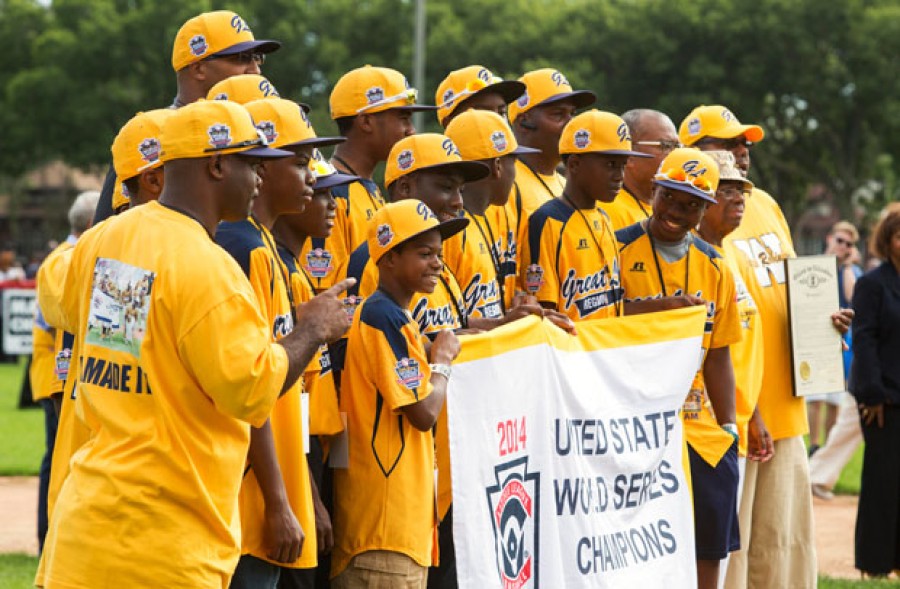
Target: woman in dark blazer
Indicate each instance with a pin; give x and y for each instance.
(875, 382)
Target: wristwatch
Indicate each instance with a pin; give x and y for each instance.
(442, 369)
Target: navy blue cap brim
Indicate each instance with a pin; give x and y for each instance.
(451, 227)
(523, 150)
(685, 187)
(510, 90)
(627, 152)
(258, 46)
(581, 98)
(471, 171)
(265, 152)
(333, 180)
(317, 142)
(413, 108)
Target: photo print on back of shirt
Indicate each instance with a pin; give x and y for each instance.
(120, 302)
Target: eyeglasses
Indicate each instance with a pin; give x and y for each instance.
(732, 193)
(408, 96)
(679, 175)
(664, 146)
(842, 241)
(260, 141)
(243, 58)
(727, 144)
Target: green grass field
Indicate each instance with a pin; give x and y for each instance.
(21, 430)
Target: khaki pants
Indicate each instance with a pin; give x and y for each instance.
(381, 569)
(778, 546)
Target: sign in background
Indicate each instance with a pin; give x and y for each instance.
(18, 319)
(567, 454)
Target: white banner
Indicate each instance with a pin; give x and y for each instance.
(18, 319)
(567, 454)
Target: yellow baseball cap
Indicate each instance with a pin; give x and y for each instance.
(217, 33)
(137, 145)
(596, 131)
(689, 170)
(402, 220)
(120, 197)
(209, 127)
(285, 124)
(462, 84)
(482, 134)
(728, 169)
(369, 89)
(431, 151)
(245, 88)
(544, 87)
(715, 121)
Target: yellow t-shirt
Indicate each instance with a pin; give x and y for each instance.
(385, 499)
(323, 259)
(708, 277)
(760, 245)
(469, 257)
(747, 355)
(570, 260)
(626, 209)
(174, 360)
(318, 379)
(43, 361)
(253, 247)
(509, 223)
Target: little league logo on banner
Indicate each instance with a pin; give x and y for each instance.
(570, 471)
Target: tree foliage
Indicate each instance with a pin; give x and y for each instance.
(820, 76)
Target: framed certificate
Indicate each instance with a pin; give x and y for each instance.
(817, 361)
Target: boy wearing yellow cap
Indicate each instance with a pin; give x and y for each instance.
(570, 258)
(392, 397)
(151, 497)
(276, 500)
(661, 258)
(537, 118)
(373, 108)
(474, 88)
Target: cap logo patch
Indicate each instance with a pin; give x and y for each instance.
(198, 45)
(450, 147)
(694, 126)
(692, 168)
(374, 94)
(727, 115)
(623, 134)
(268, 129)
(559, 79)
(238, 24)
(423, 210)
(582, 138)
(149, 149)
(534, 278)
(267, 89)
(498, 138)
(523, 99)
(405, 160)
(485, 75)
(220, 96)
(219, 135)
(384, 235)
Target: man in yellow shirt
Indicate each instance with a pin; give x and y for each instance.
(776, 507)
(537, 118)
(373, 108)
(385, 523)
(654, 134)
(174, 360)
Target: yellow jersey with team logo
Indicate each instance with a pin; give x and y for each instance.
(384, 499)
(701, 272)
(253, 248)
(759, 246)
(747, 355)
(469, 257)
(174, 360)
(627, 209)
(570, 261)
(318, 379)
(323, 259)
(509, 223)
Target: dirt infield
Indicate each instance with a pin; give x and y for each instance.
(835, 521)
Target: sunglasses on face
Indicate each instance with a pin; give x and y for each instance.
(732, 194)
(664, 146)
(842, 241)
(243, 58)
(727, 144)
